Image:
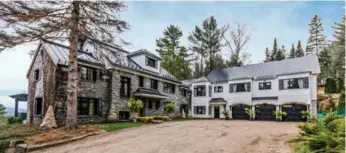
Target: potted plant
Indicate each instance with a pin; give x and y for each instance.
(135, 106)
(169, 108)
(279, 114)
(226, 114)
(251, 113)
(305, 114)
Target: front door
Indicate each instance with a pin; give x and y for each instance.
(216, 112)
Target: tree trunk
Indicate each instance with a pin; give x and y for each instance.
(71, 120)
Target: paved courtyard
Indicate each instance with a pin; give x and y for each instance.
(196, 136)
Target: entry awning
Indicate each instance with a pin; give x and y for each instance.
(217, 101)
(150, 93)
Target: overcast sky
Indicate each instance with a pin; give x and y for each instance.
(287, 21)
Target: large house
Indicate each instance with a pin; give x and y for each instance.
(105, 83)
(289, 85)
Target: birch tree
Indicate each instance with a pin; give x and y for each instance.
(27, 21)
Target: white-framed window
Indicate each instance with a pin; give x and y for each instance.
(200, 110)
(265, 86)
(218, 89)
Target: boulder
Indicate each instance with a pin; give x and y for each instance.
(49, 119)
(112, 115)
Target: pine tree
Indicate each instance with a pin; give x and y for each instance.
(174, 56)
(316, 41)
(267, 54)
(281, 54)
(325, 61)
(299, 50)
(206, 42)
(292, 52)
(338, 49)
(2, 110)
(26, 21)
(274, 51)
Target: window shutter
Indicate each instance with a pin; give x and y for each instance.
(306, 82)
(281, 84)
(146, 60)
(195, 92)
(156, 64)
(230, 88)
(248, 87)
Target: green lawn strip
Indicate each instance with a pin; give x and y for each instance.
(17, 131)
(120, 125)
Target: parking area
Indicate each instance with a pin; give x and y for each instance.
(194, 136)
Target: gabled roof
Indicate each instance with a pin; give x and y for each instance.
(267, 70)
(145, 52)
(201, 79)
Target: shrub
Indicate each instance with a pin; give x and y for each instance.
(308, 128)
(170, 107)
(250, 112)
(330, 86)
(147, 119)
(14, 120)
(340, 84)
(305, 114)
(279, 114)
(164, 118)
(341, 103)
(135, 104)
(304, 149)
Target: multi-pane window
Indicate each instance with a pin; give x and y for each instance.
(240, 87)
(265, 86)
(37, 74)
(88, 73)
(151, 62)
(217, 89)
(38, 106)
(125, 87)
(169, 88)
(153, 84)
(140, 81)
(294, 83)
(199, 110)
(89, 106)
(199, 90)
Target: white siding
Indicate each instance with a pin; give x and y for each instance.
(140, 59)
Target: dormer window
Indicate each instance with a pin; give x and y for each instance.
(151, 62)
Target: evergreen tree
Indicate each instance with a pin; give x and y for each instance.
(338, 49)
(325, 61)
(219, 61)
(316, 41)
(197, 70)
(280, 55)
(2, 110)
(299, 50)
(267, 54)
(26, 21)
(292, 52)
(206, 42)
(274, 51)
(174, 56)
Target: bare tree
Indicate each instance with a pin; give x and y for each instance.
(27, 21)
(239, 36)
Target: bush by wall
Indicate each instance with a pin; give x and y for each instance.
(340, 84)
(14, 120)
(330, 86)
(341, 102)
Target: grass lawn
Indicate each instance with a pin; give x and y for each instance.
(120, 125)
(17, 131)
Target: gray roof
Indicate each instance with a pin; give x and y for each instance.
(144, 51)
(217, 100)
(265, 98)
(201, 79)
(267, 70)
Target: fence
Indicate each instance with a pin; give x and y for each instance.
(339, 112)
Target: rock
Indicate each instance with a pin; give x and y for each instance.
(49, 119)
(183, 115)
(112, 115)
(156, 121)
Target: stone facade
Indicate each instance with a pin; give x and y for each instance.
(52, 87)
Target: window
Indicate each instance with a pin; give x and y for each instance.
(210, 90)
(199, 110)
(265, 86)
(199, 90)
(150, 106)
(169, 88)
(38, 106)
(140, 81)
(153, 84)
(125, 87)
(151, 62)
(37, 74)
(157, 105)
(101, 75)
(88, 73)
(294, 83)
(183, 92)
(240, 87)
(89, 106)
(217, 89)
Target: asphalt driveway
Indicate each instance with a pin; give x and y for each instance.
(195, 136)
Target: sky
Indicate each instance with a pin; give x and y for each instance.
(286, 21)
